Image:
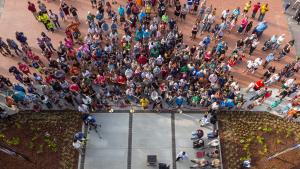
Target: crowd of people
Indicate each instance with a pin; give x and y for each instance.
(135, 55)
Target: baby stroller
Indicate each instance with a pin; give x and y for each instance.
(198, 143)
(3, 113)
(267, 45)
(198, 134)
(163, 166)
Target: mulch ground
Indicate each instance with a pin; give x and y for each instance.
(256, 136)
(45, 138)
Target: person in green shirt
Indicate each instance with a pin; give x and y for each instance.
(165, 18)
(42, 17)
(50, 26)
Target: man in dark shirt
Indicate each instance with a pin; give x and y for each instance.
(32, 9)
(73, 11)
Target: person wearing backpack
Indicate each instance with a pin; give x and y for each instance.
(14, 46)
(54, 18)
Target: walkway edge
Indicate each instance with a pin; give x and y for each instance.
(173, 140)
(129, 152)
(81, 157)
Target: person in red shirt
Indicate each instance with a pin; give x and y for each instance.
(142, 60)
(24, 68)
(259, 84)
(255, 9)
(32, 9)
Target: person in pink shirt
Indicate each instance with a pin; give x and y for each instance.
(244, 23)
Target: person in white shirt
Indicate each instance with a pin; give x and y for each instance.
(77, 144)
(250, 65)
(204, 121)
(258, 61)
(84, 109)
(274, 78)
(288, 83)
(181, 156)
(279, 41)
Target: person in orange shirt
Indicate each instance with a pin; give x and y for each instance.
(292, 113)
(139, 2)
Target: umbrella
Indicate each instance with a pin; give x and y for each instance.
(114, 26)
(154, 95)
(196, 99)
(128, 73)
(213, 78)
(105, 27)
(18, 96)
(142, 60)
(59, 74)
(18, 87)
(184, 69)
(73, 26)
(74, 87)
(121, 80)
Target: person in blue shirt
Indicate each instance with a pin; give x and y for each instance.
(206, 41)
(220, 47)
(235, 13)
(260, 28)
(79, 136)
(179, 101)
(121, 11)
(139, 34)
(142, 14)
(269, 59)
(189, 5)
(146, 35)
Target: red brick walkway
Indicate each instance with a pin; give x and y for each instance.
(15, 17)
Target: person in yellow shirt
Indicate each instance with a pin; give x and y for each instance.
(263, 10)
(246, 8)
(144, 102)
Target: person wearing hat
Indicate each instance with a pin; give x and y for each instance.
(246, 164)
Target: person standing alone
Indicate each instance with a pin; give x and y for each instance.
(181, 156)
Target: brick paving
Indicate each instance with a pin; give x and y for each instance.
(23, 20)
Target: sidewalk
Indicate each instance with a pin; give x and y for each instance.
(163, 135)
(293, 27)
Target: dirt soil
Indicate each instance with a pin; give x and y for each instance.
(257, 136)
(45, 138)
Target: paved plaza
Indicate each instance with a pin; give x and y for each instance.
(122, 147)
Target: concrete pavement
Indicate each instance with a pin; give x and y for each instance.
(293, 27)
(161, 134)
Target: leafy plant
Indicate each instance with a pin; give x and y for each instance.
(35, 129)
(30, 145)
(13, 141)
(289, 132)
(278, 141)
(265, 150)
(18, 125)
(51, 144)
(260, 139)
(40, 149)
(267, 129)
(2, 136)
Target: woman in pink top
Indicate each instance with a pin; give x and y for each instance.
(244, 23)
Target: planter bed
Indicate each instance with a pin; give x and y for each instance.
(256, 136)
(45, 138)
